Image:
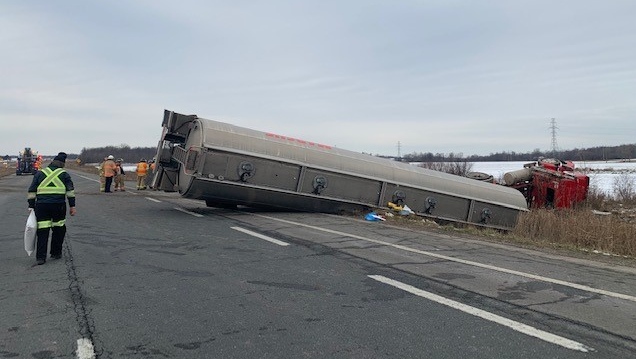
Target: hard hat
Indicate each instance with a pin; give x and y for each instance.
(111, 157)
(143, 160)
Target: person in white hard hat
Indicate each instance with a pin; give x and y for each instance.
(109, 172)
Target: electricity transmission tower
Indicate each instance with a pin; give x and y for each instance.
(553, 129)
(399, 148)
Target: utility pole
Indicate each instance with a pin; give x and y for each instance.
(554, 128)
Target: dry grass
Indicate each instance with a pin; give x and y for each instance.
(579, 229)
(602, 226)
(5, 171)
(458, 168)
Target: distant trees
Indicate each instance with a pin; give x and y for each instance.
(128, 154)
(134, 154)
(622, 152)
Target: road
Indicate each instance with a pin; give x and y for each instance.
(149, 274)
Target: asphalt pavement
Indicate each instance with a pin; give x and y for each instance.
(148, 274)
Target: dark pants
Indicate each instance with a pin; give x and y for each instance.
(109, 181)
(50, 216)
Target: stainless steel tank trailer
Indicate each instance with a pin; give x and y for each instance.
(227, 165)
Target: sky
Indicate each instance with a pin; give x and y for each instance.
(380, 77)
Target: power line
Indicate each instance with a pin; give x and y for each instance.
(554, 128)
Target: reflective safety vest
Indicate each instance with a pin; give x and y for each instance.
(52, 183)
(142, 168)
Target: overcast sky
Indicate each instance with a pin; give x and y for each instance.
(471, 77)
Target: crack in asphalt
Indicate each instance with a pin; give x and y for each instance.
(86, 325)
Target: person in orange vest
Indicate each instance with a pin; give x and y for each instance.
(120, 176)
(142, 171)
(109, 172)
(38, 162)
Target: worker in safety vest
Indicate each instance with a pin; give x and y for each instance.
(120, 175)
(38, 162)
(142, 171)
(109, 172)
(47, 195)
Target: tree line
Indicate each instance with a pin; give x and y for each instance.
(602, 153)
(125, 152)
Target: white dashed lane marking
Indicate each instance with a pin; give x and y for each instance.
(258, 235)
(85, 349)
(188, 212)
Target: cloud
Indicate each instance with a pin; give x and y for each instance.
(433, 76)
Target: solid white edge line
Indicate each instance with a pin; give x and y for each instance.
(258, 235)
(85, 349)
(517, 326)
(152, 199)
(188, 212)
(463, 261)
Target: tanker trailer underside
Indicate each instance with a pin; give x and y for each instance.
(226, 165)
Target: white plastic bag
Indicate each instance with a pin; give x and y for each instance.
(30, 232)
(406, 211)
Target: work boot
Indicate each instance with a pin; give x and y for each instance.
(56, 256)
(40, 261)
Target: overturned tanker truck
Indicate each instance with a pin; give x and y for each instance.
(227, 165)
